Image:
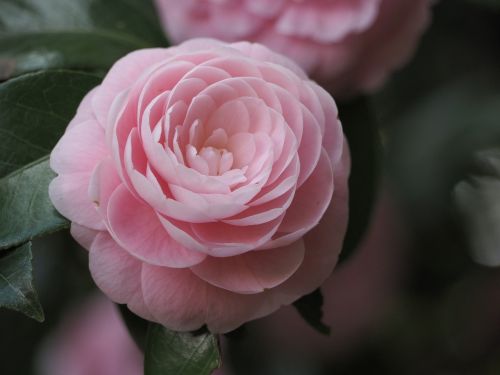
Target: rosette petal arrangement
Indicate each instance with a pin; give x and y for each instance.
(208, 182)
(349, 45)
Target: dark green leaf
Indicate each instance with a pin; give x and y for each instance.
(26, 52)
(41, 34)
(25, 207)
(16, 289)
(310, 307)
(136, 326)
(180, 353)
(364, 143)
(34, 112)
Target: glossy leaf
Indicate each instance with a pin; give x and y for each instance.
(137, 327)
(180, 353)
(34, 112)
(84, 34)
(16, 289)
(25, 208)
(21, 53)
(362, 135)
(310, 307)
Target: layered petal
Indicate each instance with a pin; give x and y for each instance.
(137, 229)
(252, 272)
(117, 274)
(192, 175)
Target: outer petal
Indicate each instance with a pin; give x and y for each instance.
(136, 228)
(117, 274)
(124, 73)
(189, 302)
(175, 297)
(333, 138)
(252, 272)
(79, 149)
(310, 202)
(84, 111)
(324, 242)
(69, 194)
(83, 235)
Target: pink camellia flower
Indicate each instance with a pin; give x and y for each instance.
(195, 176)
(350, 45)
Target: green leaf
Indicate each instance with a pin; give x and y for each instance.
(83, 34)
(25, 208)
(80, 50)
(364, 143)
(136, 326)
(16, 289)
(180, 353)
(34, 112)
(310, 307)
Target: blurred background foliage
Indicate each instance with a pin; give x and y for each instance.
(439, 122)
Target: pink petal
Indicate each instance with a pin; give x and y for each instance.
(117, 274)
(236, 66)
(185, 90)
(149, 189)
(310, 147)
(182, 301)
(252, 272)
(189, 302)
(209, 74)
(230, 240)
(83, 235)
(263, 213)
(175, 297)
(80, 149)
(333, 138)
(103, 183)
(123, 74)
(232, 117)
(137, 229)
(327, 23)
(69, 194)
(214, 206)
(324, 242)
(310, 202)
(168, 167)
(182, 232)
(263, 53)
(287, 181)
(84, 111)
(162, 80)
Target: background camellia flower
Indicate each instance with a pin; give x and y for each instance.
(92, 339)
(349, 45)
(197, 175)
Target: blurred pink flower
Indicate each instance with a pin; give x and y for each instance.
(195, 176)
(349, 45)
(91, 340)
